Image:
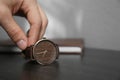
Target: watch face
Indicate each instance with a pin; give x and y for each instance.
(45, 52)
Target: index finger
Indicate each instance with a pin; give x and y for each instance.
(33, 15)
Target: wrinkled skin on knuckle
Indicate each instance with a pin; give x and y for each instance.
(15, 35)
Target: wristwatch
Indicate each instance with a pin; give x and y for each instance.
(43, 51)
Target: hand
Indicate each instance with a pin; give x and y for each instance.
(33, 13)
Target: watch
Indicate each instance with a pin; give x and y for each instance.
(43, 51)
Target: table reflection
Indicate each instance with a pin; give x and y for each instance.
(34, 71)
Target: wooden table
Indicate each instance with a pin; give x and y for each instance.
(94, 65)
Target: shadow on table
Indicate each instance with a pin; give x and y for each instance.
(34, 71)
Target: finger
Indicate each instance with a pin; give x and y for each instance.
(34, 18)
(44, 22)
(14, 31)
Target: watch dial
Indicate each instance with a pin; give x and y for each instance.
(45, 52)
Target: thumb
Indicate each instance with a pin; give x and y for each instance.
(14, 31)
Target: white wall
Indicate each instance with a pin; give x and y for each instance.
(97, 21)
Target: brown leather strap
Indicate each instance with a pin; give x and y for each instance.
(28, 52)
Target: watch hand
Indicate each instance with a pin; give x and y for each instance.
(43, 52)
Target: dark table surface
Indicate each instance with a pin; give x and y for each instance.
(94, 65)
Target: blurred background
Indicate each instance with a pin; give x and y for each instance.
(96, 21)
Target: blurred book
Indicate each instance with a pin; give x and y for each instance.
(66, 46)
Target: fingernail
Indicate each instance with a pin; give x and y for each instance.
(22, 44)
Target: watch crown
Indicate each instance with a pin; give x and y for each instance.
(44, 38)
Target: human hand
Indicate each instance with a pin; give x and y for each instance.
(33, 13)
